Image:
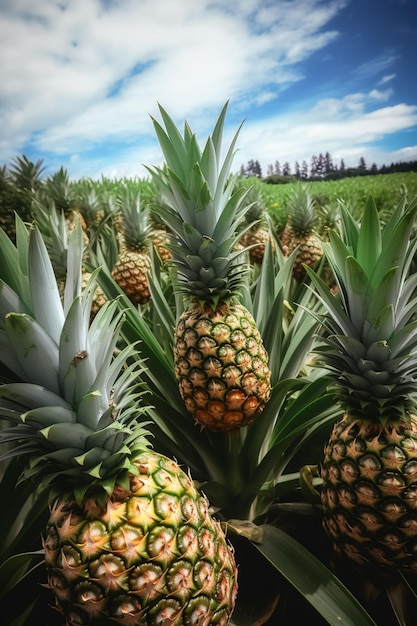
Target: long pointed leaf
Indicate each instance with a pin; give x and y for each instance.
(47, 307)
(312, 579)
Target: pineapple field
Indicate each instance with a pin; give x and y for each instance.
(208, 395)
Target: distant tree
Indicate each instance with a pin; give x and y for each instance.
(321, 166)
(314, 166)
(304, 170)
(250, 168)
(328, 164)
(297, 171)
(362, 164)
(253, 168)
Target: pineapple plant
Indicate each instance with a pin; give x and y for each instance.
(132, 266)
(8, 203)
(18, 184)
(56, 233)
(220, 361)
(57, 188)
(328, 218)
(257, 236)
(93, 206)
(369, 346)
(299, 231)
(129, 538)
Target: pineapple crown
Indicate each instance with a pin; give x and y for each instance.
(91, 202)
(71, 399)
(137, 227)
(58, 187)
(302, 215)
(52, 225)
(370, 330)
(256, 211)
(202, 208)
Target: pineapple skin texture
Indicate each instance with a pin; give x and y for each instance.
(256, 240)
(369, 492)
(221, 366)
(159, 240)
(309, 252)
(150, 553)
(131, 274)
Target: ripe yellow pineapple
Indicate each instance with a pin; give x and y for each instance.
(299, 231)
(369, 469)
(133, 263)
(129, 539)
(160, 237)
(159, 241)
(220, 361)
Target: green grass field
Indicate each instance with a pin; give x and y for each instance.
(386, 189)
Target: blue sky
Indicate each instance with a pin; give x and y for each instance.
(79, 79)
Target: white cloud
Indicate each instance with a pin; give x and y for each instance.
(387, 78)
(381, 96)
(373, 67)
(84, 75)
(325, 128)
(63, 61)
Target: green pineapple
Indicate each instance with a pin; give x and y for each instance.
(220, 361)
(129, 539)
(299, 231)
(370, 466)
(134, 262)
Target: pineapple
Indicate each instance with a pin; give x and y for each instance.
(159, 235)
(258, 235)
(299, 232)
(134, 262)
(129, 540)
(220, 361)
(369, 470)
(93, 206)
(159, 241)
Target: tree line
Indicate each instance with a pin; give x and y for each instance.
(321, 167)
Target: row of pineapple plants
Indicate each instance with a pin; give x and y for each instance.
(55, 583)
(231, 398)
